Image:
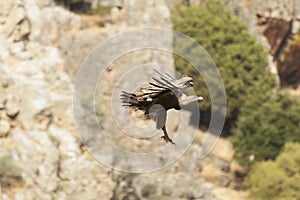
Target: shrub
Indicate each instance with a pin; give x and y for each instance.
(102, 10)
(278, 180)
(240, 59)
(263, 129)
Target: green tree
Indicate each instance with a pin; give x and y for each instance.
(241, 61)
(263, 129)
(279, 179)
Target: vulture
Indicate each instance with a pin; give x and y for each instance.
(155, 98)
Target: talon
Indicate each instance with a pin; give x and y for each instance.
(166, 136)
(167, 139)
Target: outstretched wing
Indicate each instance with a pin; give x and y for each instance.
(160, 86)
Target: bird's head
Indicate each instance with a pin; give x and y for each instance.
(200, 98)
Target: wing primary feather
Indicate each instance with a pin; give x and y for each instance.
(172, 78)
(173, 86)
(158, 86)
(166, 85)
(166, 76)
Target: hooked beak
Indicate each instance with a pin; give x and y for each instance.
(189, 84)
(200, 99)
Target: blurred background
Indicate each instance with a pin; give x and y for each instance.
(255, 45)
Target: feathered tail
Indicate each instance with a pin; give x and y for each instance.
(129, 99)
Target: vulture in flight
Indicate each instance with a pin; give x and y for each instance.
(162, 93)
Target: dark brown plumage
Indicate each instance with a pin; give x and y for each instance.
(158, 96)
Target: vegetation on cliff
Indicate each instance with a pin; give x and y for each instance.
(263, 129)
(240, 59)
(277, 179)
(261, 118)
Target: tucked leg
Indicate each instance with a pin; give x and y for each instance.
(166, 136)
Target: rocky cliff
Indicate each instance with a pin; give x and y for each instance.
(276, 24)
(42, 46)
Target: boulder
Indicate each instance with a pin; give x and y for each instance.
(67, 143)
(48, 23)
(16, 15)
(22, 31)
(12, 105)
(33, 14)
(54, 22)
(4, 127)
(39, 158)
(35, 107)
(2, 97)
(4, 55)
(5, 8)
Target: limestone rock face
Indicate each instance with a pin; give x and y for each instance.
(12, 107)
(42, 48)
(16, 15)
(274, 22)
(290, 67)
(36, 124)
(4, 127)
(55, 167)
(150, 13)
